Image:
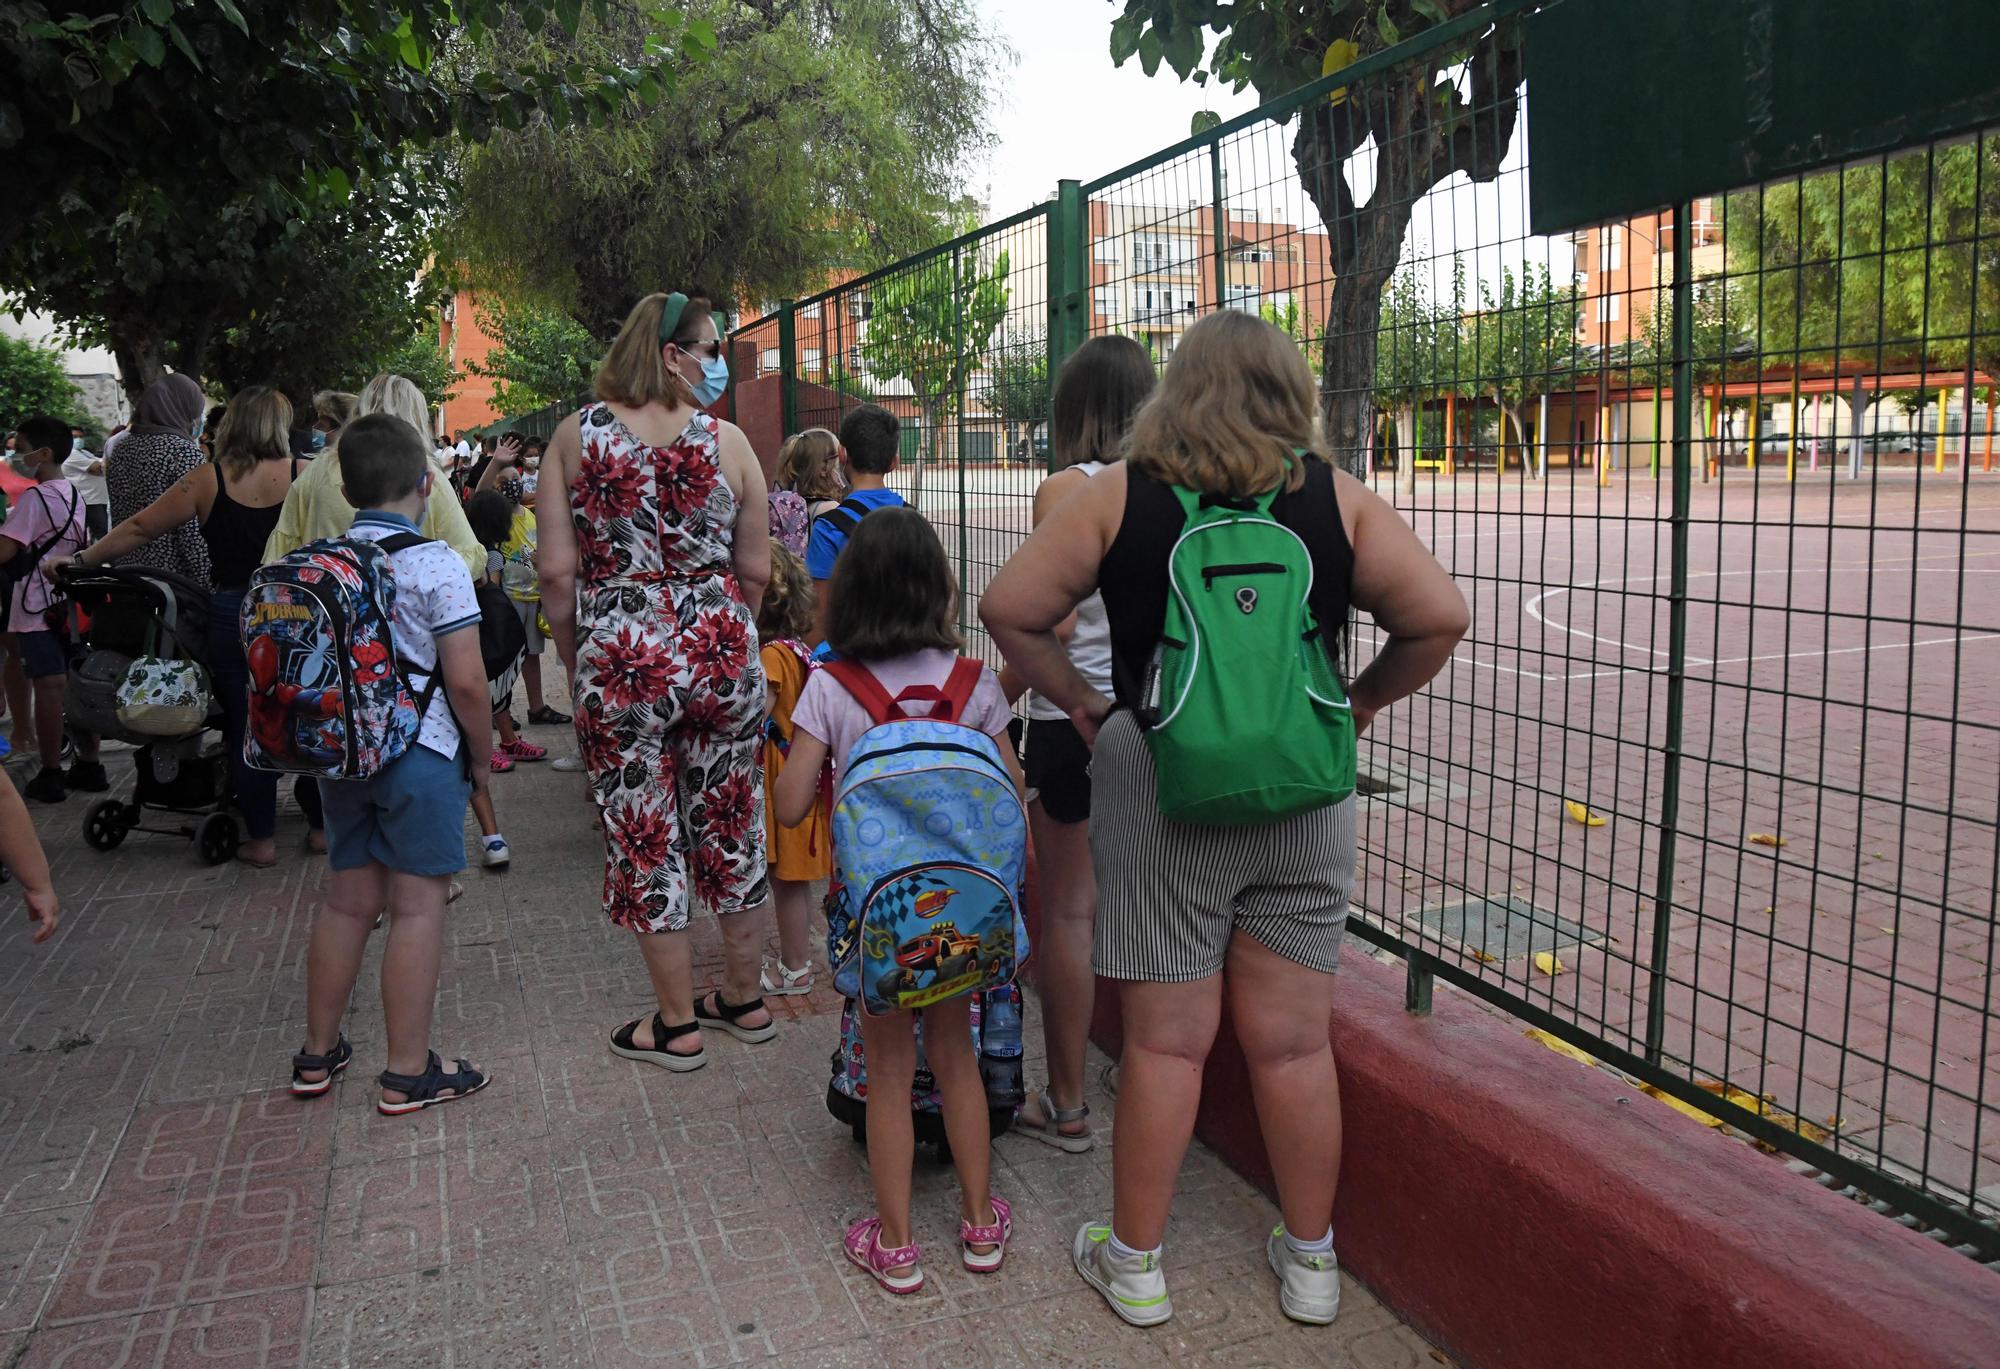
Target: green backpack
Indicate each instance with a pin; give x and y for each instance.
(1241, 705)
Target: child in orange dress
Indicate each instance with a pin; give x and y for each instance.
(799, 855)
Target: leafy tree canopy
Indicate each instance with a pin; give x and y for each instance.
(33, 382)
(544, 357)
(819, 137)
(421, 360)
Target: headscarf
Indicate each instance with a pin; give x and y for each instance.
(171, 404)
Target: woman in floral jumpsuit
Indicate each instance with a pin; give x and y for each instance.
(654, 554)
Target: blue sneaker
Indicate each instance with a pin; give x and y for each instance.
(6, 748)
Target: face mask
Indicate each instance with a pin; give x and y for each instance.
(199, 424)
(714, 380)
(533, 463)
(318, 440)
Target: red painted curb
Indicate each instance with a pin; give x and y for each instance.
(1526, 1212)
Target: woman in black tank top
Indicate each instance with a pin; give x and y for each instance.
(1182, 907)
(237, 497)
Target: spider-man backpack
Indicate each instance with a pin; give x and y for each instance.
(328, 694)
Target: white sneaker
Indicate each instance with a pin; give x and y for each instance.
(569, 765)
(1308, 1285)
(497, 854)
(1134, 1288)
(776, 978)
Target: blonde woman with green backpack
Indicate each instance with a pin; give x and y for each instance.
(1229, 554)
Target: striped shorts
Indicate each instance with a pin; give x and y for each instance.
(1169, 894)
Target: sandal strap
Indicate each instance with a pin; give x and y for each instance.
(306, 1061)
(732, 1012)
(995, 1234)
(626, 1036)
(1056, 1116)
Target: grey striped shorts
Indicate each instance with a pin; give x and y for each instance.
(1169, 894)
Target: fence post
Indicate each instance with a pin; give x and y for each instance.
(788, 367)
(1069, 276)
(1221, 224)
(961, 290)
(1670, 778)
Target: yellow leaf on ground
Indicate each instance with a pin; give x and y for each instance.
(1546, 962)
(1560, 1046)
(1767, 839)
(1678, 1106)
(1481, 956)
(1578, 813)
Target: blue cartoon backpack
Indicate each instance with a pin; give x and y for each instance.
(930, 848)
(328, 694)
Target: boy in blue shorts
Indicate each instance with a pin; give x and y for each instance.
(395, 840)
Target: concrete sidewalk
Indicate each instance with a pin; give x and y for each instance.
(164, 1201)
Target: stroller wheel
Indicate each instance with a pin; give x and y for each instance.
(217, 838)
(104, 825)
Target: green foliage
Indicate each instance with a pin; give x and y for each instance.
(842, 381)
(1521, 343)
(164, 155)
(1422, 130)
(1018, 394)
(1295, 321)
(335, 298)
(544, 357)
(422, 360)
(1874, 263)
(1416, 344)
(32, 382)
(805, 147)
(930, 326)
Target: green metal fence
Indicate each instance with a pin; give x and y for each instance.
(1710, 789)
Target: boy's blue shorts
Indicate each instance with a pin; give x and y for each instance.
(411, 817)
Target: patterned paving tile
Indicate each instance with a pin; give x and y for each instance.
(259, 1134)
(32, 1247)
(240, 1333)
(509, 1308)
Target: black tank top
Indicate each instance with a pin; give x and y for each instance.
(236, 534)
(1133, 575)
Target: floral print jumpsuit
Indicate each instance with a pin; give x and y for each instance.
(669, 689)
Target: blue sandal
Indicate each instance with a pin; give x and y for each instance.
(431, 1087)
(333, 1062)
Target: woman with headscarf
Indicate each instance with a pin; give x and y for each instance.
(153, 456)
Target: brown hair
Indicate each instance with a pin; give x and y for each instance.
(806, 466)
(892, 591)
(257, 427)
(1098, 391)
(787, 610)
(1236, 401)
(634, 371)
(337, 407)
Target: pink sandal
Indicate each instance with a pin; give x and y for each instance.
(521, 749)
(994, 1235)
(895, 1269)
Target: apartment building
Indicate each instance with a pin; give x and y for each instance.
(1621, 267)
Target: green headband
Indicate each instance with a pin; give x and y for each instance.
(670, 317)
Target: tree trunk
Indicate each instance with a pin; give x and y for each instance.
(141, 359)
(1418, 143)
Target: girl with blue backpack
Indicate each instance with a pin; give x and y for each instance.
(929, 844)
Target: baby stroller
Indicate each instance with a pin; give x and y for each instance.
(114, 615)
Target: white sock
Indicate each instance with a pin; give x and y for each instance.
(1126, 1252)
(1322, 1246)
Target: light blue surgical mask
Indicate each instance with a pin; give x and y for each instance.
(199, 424)
(318, 440)
(714, 380)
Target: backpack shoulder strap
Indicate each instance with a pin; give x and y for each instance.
(865, 689)
(958, 687)
(846, 516)
(402, 541)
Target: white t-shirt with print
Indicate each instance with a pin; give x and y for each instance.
(434, 598)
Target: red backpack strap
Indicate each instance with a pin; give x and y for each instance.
(958, 686)
(865, 689)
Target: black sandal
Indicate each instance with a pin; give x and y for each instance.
(333, 1062)
(431, 1087)
(545, 715)
(624, 1042)
(727, 1015)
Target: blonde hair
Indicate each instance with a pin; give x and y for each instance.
(634, 371)
(787, 610)
(336, 407)
(806, 466)
(398, 397)
(1236, 402)
(256, 427)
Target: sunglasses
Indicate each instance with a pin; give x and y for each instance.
(712, 349)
